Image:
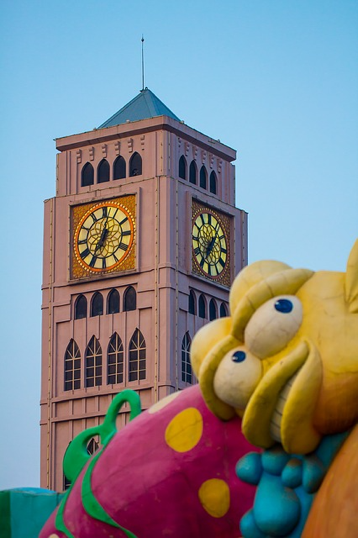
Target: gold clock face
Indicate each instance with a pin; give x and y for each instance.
(210, 244)
(104, 237)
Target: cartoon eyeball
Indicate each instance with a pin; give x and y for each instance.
(236, 377)
(273, 325)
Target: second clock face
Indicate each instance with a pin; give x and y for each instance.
(104, 237)
(210, 244)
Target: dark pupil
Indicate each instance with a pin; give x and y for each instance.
(239, 356)
(284, 306)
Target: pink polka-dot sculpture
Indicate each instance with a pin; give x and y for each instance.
(169, 472)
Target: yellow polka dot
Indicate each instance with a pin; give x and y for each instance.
(185, 430)
(53, 536)
(163, 403)
(214, 495)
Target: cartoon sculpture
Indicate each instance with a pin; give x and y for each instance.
(284, 369)
(287, 363)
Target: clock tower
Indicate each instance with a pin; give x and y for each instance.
(141, 244)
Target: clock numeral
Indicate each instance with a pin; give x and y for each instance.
(115, 257)
(223, 250)
(85, 253)
(127, 232)
(123, 221)
(115, 213)
(221, 261)
(104, 211)
(221, 237)
(209, 218)
(201, 263)
(94, 218)
(209, 270)
(93, 261)
(197, 251)
(82, 242)
(202, 218)
(195, 237)
(104, 265)
(123, 246)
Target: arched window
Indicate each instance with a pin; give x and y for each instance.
(93, 363)
(202, 307)
(192, 303)
(72, 366)
(223, 310)
(193, 173)
(87, 175)
(186, 373)
(113, 302)
(103, 171)
(115, 360)
(119, 168)
(213, 311)
(137, 357)
(203, 177)
(129, 299)
(135, 165)
(81, 307)
(97, 305)
(213, 183)
(182, 167)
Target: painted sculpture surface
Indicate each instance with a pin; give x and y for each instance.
(286, 361)
(280, 374)
(169, 472)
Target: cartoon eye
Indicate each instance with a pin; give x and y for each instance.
(273, 325)
(236, 377)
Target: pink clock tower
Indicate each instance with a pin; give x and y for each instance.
(141, 244)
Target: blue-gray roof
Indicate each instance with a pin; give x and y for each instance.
(145, 105)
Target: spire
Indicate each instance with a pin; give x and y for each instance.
(144, 106)
(142, 62)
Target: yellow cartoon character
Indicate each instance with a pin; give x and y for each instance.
(287, 358)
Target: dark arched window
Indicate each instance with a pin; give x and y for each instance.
(135, 165)
(182, 167)
(119, 168)
(115, 360)
(81, 307)
(203, 177)
(193, 173)
(202, 307)
(113, 302)
(103, 171)
(87, 175)
(72, 366)
(186, 373)
(137, 357)
(223, 310)
(129, 299)
(93, 363)
(213, 311)
(97, 305)
(192, 303)
(213, 183)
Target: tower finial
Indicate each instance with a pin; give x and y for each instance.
(142, 63)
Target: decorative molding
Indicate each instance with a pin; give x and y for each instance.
(142, 141)
(91, 153)
(187, 147)
(130, 145)
(117, 147)
(211, 161)
(220, 163)
(203, 156)
(104, 150)
(79, 156)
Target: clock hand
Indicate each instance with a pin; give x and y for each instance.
(102, 238)
(210, 246)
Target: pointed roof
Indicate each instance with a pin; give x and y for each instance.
(145, 105)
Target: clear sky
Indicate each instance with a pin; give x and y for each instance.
(275, 79)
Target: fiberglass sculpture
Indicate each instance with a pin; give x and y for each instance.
(265, 446)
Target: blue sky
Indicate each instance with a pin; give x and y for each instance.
(275, 79)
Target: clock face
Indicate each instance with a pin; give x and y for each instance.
(210, 244)
(104, 237)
